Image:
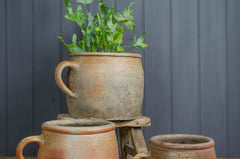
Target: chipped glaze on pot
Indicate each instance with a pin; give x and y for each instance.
(180, 147)
(103, 85)
(74, 139)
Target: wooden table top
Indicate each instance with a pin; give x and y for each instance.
(36, 158)
(139, 122)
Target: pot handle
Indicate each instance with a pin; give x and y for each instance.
(58, 76)
(25, 141)
(142, 155)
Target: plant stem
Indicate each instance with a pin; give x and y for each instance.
(86, 7)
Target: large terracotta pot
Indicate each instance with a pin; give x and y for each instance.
(180, 147)
(103, 85)
(74, 139)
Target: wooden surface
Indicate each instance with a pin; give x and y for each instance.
(125, 139)
(36, 158)
(140, 122)
(132, 142)
(234, 76)
(3, 81)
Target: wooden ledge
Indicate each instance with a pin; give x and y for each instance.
(140, 122)
(36, 158)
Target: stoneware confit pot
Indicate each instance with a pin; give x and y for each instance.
(74, 139)
(180, 147)
(103, 85)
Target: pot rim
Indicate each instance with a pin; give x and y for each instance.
(160, 142)
(106, 54)
(78, 126)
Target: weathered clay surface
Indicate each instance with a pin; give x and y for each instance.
(103, 85)
(74, 139)
(182, 147)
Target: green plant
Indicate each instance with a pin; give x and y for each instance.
(103, 32)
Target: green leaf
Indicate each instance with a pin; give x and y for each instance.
(141, 39)
(88, 41)
(111, 26)
(94, 49)
(118, 17)
(120, 49)
(103, 32)
(71, 47)
(66, 16)
(144, 45)
(74, 39)
(129, 18)
(133, 3)
(98, 29)
(130, 25)
(82, 44)
(74, 49)
(128, 11)
(83, 18)
(118, 36)
(69, 8)
(59, 37)
(85, 1)
(115, 47)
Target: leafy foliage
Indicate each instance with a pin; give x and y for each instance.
(103, 32)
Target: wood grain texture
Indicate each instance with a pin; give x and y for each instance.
(233, 76)
(139, 122)
(138, 140)
(3, 81)
(125, 137)
(20, 49)
(33, 157)
(185, 66)
(47, 96)
(157, 67)
(213, 72)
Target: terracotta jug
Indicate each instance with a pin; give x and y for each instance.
(74, 139)
(180, 147)
(103, 85)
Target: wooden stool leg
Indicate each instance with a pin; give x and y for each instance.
(138, 140)
(125, 139)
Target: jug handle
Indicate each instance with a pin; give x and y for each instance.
(142, 155)
(25, 141)
(58, 76)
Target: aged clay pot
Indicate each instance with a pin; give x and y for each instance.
(180, 147)
(103, 85)
(74, 139)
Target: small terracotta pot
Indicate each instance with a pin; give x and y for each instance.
(180, 147)
(103, 85)
(74, 139)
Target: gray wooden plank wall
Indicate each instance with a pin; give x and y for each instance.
(192, 79)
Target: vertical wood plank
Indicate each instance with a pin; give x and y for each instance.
(185, 66)
(19, 72)
(234, 77)
(157, 67)
(213, 71)
(47, 96)
(125, 136)
(3, 77)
